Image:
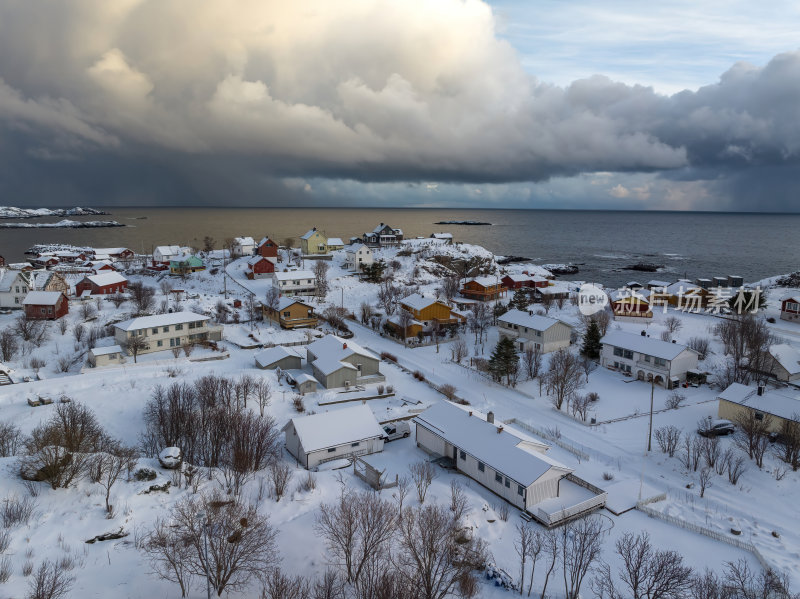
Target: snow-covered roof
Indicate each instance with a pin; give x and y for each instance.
(657, 283)
(630, 295)
(643, 345)
(273, 354)
(8, 277)
(300, 377)
(335, 241)
(42, 298)
(486, 281)
(395, 319)
(682, 288)
(353, 249)
(308, 234)
(244, 241)
(328, 365)
(334, 428)
(293, 275)
(787, 356)
(160, 320)
(777, 403)
(519, 278)
(104, 351)
(415, 301)
(337, 348)
(106, 278)
(504, 452)
(168, 250)
(532, 321)
(284, 302)
(792, 298)
(257, 259)
(109, 251)
(264, 240)
(442, 235)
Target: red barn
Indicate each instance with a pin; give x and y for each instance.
(790, 308)
(106, 283)
(267, 248)
(259, 267)
(45, 305)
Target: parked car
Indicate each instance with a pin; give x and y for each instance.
(396, 430)
(716, 428)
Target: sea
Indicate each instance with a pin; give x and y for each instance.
(600, 243)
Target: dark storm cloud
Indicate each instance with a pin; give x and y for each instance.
(144, 101)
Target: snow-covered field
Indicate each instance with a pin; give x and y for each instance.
(65, 518)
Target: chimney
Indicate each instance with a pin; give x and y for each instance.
(499, 429)
(760, 389)
(490, 417)
(344, 345)
(470, 413)
(674, 341)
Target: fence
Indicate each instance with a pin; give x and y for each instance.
(702, 530)
(579, 453)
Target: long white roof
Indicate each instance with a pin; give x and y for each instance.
(334, 428)
(160, 320)
(108, 349)
(337, 348)
(106, 278)
(273, 354)
(503, 451)
(42, 298)
(532, 321)
(644, 345)
(293, 275)
(244, 240)
(335, 241)
(416, 301)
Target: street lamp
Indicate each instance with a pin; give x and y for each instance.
(201, 517)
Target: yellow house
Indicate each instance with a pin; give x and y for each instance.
(778, 407)
(314, 243)
(426, 310)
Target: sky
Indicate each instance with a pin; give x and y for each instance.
(443, 103)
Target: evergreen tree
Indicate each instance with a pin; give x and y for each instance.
(504, 360)
(520, 300)
(591, 341)
(374, 272)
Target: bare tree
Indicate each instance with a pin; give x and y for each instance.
(263, 394)
(403, 488)
(321, 279)
(404, 320)
(458, 350)
(143, 297)
(739, 581)
(523, 545)
(547, 302)
(387, 296)
(135, 345)
(253, 309)
(430, 558)
(581, 544)
(366, 312)
(63, 326)
(668, 439)
(701, 345)
(8, 345)
(458, 500)
(422, 473)
(279, 474)
(449, 288)
(231, 543)
(551, 546)
(563, 376)
(436, 332)
(673, 324)
(169, 555)
(278, 585)
(532, 360)
(646, 573)
(736, 467)
(479, 319)
(752, 433)
(111, 464)
(50, 581)
(706, 474)
(11, 439)
(28, 329)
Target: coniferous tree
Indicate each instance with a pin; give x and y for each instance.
(504, 360)
(520, 300)
(591, 341)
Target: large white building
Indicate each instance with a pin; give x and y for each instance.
(533, 330)
(646, 358)
(165, 331)
(243, 246)
(334, 435)
(357, 256)
(295, 282)
(507, 462)
(14, 286)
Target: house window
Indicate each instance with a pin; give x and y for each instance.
(165, 330)
(628, 354)
(155, 331)
(481, 467)
(659, 361)
(178, 327)
(286, 314)
(160, 343)
(498, 477)
(520, 490)
(508, 484)
(462, 455)
(42, 309)
(356, 444)
(759, 416)
(332, 450)
(647, 358)
(618, 351)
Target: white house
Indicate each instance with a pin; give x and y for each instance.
(334, 435)
(106, 356)
(164, 253)
(243, 246)
(647, 358)
(357, 256)
(165, 331)
(784, 363)
(295, 282)
(337, 362)
(507, 462)
(14, 286)
(534, 331)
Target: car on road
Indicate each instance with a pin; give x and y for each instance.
(715, 428)
(396, 430)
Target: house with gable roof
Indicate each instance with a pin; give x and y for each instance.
(790, 308)
(647, 358)
(337, 362)
(314, 243)
(528, 330)
(382, 236)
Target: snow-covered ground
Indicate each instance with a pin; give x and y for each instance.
(758, 505)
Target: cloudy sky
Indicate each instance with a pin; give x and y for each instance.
(510, 103)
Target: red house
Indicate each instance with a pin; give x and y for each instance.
(524, 280)
(45, 305)
(44, 261)
(790, 308)
(267, 248)
(106, 283)
(259, 267)
(2, 261)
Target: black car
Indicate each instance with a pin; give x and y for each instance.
(716, 428)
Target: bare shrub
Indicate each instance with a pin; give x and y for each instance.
(27, 329)
(608, 476)
(736, 467)
(188, 348)
(63, 326)
(299, 405)
(422, 473)
(78, 332)
(279, 475)
(502, 511)
(143, 297)
(380, 389)
(5, 569)
(5, 540)
(27, 568)
(278, 585)
(674, 400)
(448, 390)
(168, 554)
(701, 345)
(87, 311)
(673, 324)
(8, 345)
(581, 543)
(706, 474)
(458, 350)
(385, 355)
(176, 352)
(10, 439)
(309, 483)
(16, 510)
(458, 500)
(50, 582)
(668, 439)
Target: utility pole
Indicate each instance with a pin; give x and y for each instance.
(650, 431)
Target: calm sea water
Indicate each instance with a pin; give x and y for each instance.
(753, 246)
